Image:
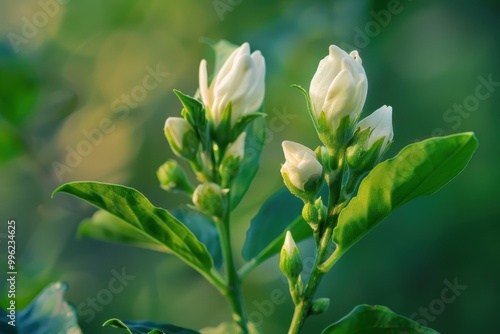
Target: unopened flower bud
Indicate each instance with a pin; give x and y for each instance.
(320, 305)
(290, 259)
(232, 160)
(372, 138)
(181, 137)
(321, 209)
(210, 198)
(239, 82)
(173, 178)
(338, 92)
(302, 172)
(310, 213)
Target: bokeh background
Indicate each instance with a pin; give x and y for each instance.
(68, 66)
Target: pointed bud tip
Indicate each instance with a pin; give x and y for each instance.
(289, 244)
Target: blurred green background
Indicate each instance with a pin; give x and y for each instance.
(67, 67)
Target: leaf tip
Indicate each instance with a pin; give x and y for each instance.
(57, 190)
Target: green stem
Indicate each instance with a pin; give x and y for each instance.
(216, 280)
(303, 307)
(233, 291)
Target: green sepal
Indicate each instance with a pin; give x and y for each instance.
(302, 194)
(190, 145)
(335, 139)
(309, 106)
(359, 156)
(195, 114)
(223, 132)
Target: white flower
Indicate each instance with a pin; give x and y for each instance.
(338, 87)
(236, 150)
(239, 81)
(301, 164)
(379, 124)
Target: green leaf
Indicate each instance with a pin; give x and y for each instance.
(419, 169)
(104, 226)
(254, 143)
(204, 229)
(194, 113)
(266, 235)
(107, 227)
(156, 223)
(367, 319)
(147, 327)
(47, 313)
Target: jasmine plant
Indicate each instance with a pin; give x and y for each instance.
(344, 187)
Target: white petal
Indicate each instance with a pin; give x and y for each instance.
(289, 244)
(204, 83)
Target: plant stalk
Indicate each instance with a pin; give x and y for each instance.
(303, 307)
(233, 293)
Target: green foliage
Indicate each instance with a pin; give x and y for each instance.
(281, 212)
(47, 313)
(107, 227)
(202, 238)
(147, 327)
(254, 143)
(419, 169)
(203, 228)
(152, 222)
(367, 319)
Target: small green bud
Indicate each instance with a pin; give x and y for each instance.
(321, 209)
(290, 259)
(210, 198)
(320, 305)
(310, 213)
(173, 178)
